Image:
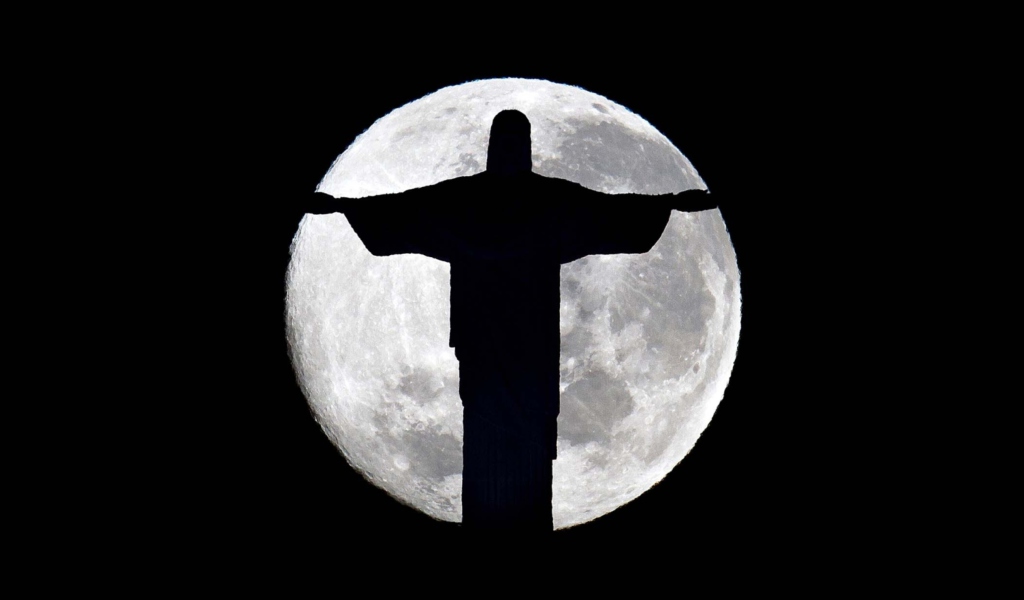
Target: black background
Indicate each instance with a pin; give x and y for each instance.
(257, 469)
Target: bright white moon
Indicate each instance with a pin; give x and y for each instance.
(648, 340)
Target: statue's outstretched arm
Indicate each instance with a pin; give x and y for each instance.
(389, 224)
(597, 223)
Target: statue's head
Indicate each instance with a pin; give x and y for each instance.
(508, 152)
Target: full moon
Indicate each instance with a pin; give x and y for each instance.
(648, 341)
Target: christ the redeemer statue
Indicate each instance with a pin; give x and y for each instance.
(505, 232)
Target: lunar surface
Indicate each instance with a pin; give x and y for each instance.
(648, 340)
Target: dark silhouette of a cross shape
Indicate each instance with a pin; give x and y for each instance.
(505, 233)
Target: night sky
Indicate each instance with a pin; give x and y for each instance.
(767, 468)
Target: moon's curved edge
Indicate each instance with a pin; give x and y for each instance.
(339, 181)
(712, 398)
(345, 418)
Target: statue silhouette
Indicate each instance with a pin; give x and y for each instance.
(505, 233)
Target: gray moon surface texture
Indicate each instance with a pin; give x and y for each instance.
(648, 341)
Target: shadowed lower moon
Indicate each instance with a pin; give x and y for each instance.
(647, 340)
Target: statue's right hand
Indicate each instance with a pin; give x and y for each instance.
(322, 204)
